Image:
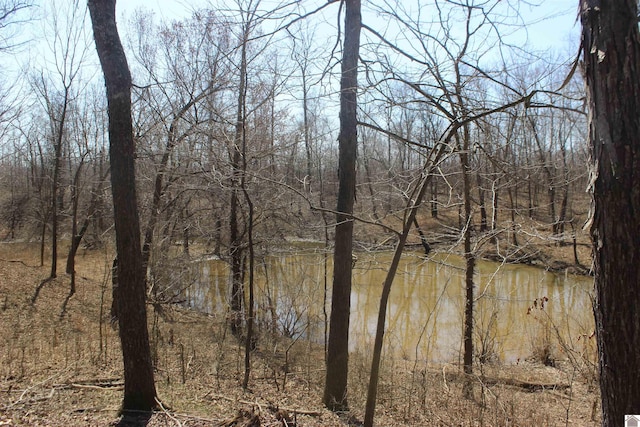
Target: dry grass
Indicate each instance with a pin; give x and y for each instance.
(67, 371)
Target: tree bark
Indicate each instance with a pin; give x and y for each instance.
(55, 184)
(470, 262)
(335, 392)
(434, 197)
(237, 161)
(611, 43)
(483, 209)
(139, 387)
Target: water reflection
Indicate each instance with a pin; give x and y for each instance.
(426, 306)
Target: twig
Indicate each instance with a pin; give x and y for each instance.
(167, 412)
(96, 384)
(444, 378)
(97, 387)
(28, 389)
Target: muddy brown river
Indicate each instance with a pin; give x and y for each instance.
(520, 310)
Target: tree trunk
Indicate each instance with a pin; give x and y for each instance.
(423, 238)
(470, 261)
(235, 247)
(611, 43)
(483, 209)
(512, 210)
(372, 192)
(434, 197)
(185, 232)
(55, 184)
(335, 392)
(77, 235)
(139, 386)
(43, 237)
(412, 209)
(549, 175)
(562, 218)
(307, 130)
(374, 376)
(250, 340)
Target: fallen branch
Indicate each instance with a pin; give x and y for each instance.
(311, 413)
(19, 262)
(527, 385)
(99, 384)
(95, 387)
(33, 387)
(524, 384)
(164, 410)
(34, 399)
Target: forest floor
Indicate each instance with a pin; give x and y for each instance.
(65, 370)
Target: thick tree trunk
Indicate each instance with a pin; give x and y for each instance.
(335, 392)
(139, 387)
(611, 43)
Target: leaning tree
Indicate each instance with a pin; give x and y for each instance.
(139, 386)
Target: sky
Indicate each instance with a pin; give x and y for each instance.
(552, 24)
(551, 27)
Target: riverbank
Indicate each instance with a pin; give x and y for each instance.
(66, 370)
(529, 241)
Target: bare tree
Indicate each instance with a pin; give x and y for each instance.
(168, 101)
(454, 67)
(86, 130)
(335, 392)
(139, 386)
(57, 92)
(611, 48)
(11, 21)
